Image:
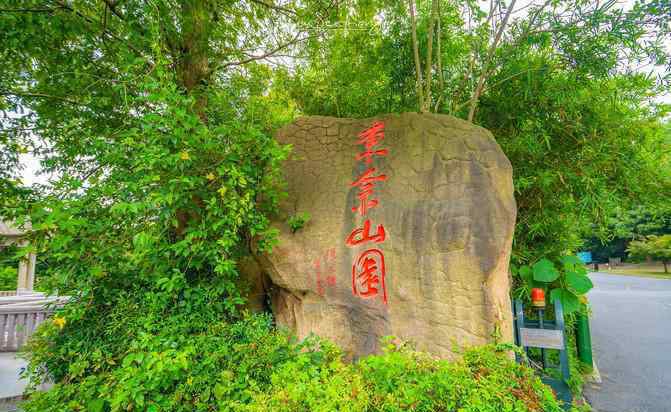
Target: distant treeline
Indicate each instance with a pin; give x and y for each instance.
(625, 227)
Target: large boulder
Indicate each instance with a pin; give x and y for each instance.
(410, 231)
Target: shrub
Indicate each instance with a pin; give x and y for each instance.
(189, 361)
(175, 367)
(484, 379)
(9, 264)
(298, 221)
(7, 278)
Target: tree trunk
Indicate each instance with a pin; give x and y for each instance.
(439, 61)
(485, 65)
(194, 67)
(193, 73)
(415, 49)
(666, 266)
(429, 57)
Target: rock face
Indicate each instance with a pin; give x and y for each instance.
(410, 233)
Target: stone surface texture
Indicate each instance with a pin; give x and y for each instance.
(448, 211)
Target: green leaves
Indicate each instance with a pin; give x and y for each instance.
(578, 283)
(571, 261)
(570, 302)
(575, 275)
(401, 379)
(96, 405)
(298, 221)
(526, 273)
(159, 187)
(545, 271)
(566, 283)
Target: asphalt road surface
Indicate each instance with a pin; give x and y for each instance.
(10, 384)
(631, 337)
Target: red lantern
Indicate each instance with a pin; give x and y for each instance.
(538, 297)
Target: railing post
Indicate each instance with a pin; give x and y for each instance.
(584, 340)
(26, 276)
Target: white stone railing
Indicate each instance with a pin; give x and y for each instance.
(20, 315)
(17, 324)
(7, 293)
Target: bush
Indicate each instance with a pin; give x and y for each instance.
(250, 366)
(298, 221)
(7, 278)
(485, 379)
(9, 264)
(172, 368)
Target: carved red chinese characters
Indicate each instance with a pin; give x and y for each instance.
(368, 269)
(370, 138)
(325, 273)
(363, 234)
(368, 274)
(365, 184)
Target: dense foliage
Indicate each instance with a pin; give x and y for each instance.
(9, 264)
(247, 366)
(183, 363)
(484, 379)
(637, 222)
(155, 123)
(8, 278)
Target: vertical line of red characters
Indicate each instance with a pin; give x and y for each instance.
(368, 270)
(325, 271)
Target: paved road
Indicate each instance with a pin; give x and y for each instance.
(10, 384)
(631, 335)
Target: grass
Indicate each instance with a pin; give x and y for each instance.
(655, 271)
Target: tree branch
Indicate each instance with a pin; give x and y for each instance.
(488, 70)
(274, 7)
(296, 39)
(111, 5)
(38, 95)
(93, 22)
(489, 87)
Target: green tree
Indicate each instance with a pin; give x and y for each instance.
(627, 225)
(155, 122)
(656, 247)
